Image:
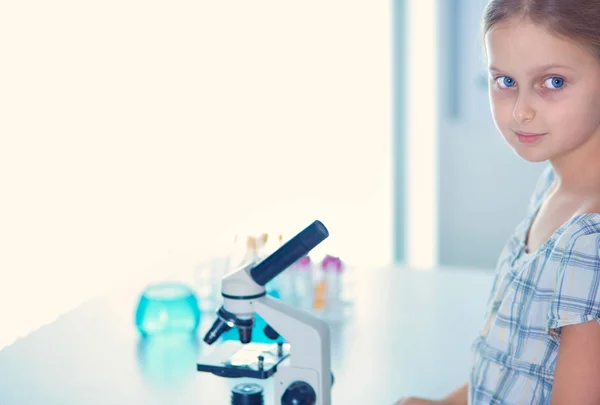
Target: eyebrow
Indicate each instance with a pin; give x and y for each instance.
(542, 68)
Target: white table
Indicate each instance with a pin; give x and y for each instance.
(410, 335)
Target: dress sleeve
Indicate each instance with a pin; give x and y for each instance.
(576, 298)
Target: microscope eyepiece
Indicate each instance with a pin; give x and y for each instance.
(292, 251)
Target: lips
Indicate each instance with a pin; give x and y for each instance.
(521, 133)
(528, 137)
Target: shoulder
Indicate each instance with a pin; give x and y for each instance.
(575, 256)
(585, 243)
(581, 233)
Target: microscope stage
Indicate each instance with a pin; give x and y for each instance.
(234, 360)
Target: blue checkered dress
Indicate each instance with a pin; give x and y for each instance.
(534, 295)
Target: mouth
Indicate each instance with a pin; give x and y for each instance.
(528, 137)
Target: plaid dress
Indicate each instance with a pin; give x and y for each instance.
(534, 294)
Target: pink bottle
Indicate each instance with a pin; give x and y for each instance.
(332, 268)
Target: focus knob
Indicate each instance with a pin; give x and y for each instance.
(299, 393)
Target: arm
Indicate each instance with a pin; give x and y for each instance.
(577, 371)
(459, 396)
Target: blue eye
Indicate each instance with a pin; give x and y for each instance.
(555, 82)
(505, 81)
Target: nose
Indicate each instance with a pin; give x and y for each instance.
(523, 111)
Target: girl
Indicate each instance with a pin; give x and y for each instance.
(540, 341)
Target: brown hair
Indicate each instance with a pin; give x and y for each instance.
(577, 20)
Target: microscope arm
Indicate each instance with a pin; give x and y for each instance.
(309, 338)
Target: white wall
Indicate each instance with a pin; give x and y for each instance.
(133, 134)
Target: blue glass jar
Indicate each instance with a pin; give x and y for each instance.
(167, 308)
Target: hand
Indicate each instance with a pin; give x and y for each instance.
(459, 396)
(419, 401)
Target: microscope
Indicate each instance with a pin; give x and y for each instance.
(305, 377)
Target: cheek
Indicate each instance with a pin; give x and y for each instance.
(501, 108)
(574, 121)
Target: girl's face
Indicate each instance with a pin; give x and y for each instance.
(544, 85)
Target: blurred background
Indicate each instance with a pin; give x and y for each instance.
(144, 136)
